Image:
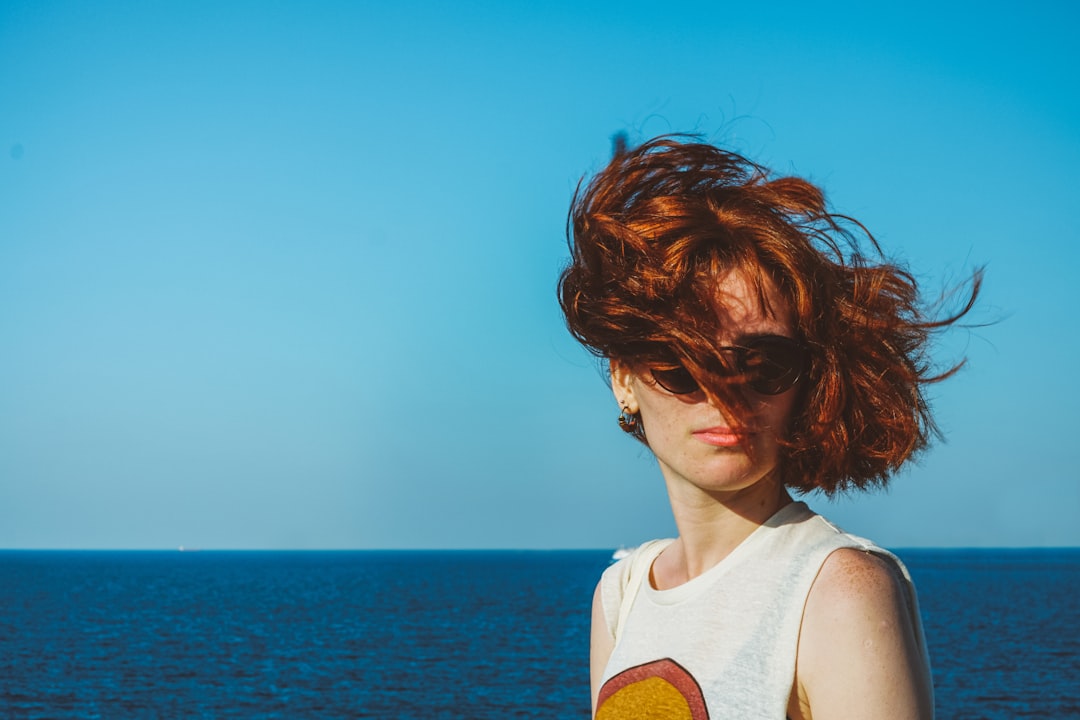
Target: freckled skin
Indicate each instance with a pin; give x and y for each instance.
(858, 655)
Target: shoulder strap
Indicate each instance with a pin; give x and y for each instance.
(634, 573)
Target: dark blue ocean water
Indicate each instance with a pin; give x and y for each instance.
(443, 634)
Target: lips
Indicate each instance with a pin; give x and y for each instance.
(720, 436)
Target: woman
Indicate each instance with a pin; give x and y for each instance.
(755, 352)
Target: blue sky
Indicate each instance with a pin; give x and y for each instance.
(281, 275)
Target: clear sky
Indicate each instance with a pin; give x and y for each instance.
(282, 274)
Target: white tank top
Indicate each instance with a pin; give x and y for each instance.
(722, 645)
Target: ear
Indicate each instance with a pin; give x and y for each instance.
(622, 386)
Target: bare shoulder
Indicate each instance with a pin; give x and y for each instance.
(858, 655)
(852, 579)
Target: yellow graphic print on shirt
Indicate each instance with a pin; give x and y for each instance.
(658, 690)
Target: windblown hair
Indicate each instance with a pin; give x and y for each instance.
(653, 234)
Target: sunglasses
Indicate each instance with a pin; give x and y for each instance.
(770, 364)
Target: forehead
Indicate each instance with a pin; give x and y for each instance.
(751, 303)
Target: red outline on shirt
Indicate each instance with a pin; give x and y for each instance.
(666, 669)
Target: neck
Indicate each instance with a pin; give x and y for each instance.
(712, 524)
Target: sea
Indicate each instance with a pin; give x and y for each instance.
(444, 634)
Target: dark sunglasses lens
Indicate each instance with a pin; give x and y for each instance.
(773, 364)
(770, 365)
(676, 380)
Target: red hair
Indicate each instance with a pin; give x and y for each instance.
(652, 234)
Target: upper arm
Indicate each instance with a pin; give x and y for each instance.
(858, 655)
(600, 646)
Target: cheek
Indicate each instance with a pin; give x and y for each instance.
(660, 416)
(652, 421)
